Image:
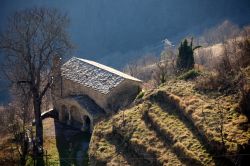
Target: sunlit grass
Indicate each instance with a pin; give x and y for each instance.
(203, 110)
(180, 133)
(196, 114)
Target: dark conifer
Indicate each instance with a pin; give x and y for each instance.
(185, 59)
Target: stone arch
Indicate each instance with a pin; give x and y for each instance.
(64, 114)
(76, 120)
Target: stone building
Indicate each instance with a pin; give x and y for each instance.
(84, 91)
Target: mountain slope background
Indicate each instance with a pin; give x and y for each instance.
(120, 29)
(116, 32)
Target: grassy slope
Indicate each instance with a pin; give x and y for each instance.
(145, 141)
(204, 111)
(175, 129)
(184, 139)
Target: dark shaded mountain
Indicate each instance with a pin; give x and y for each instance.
(101, 28)
(115, 32)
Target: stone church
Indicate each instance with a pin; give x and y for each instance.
(84, 91)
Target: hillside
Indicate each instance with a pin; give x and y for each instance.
(173, 125)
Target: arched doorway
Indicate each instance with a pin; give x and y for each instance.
(86, 123)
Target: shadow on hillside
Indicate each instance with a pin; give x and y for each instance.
(192, 128)
(72, 145)
(129, 152)
(168, 143)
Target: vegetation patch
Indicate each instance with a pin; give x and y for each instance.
(140, 95)
(209, 112)
(189, 75)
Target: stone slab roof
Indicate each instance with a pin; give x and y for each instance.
(94, 75)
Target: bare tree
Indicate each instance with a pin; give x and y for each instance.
(221, 33)
(169, 56)
(21, 109)
(160, 74)
(132, 69)
(205, 57)
(165, 67)
(142, 68)
(32, 38)
(14, 120)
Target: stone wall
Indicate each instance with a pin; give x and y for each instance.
(122, 95)
(70, 88)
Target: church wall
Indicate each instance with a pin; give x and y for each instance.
(123, 94)
(71, 88)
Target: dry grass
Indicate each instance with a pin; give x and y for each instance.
(180, 133)
(203, 110)
(176, 135)
(101, 151)
(143, 140)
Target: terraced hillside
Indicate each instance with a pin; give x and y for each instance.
(167, 129)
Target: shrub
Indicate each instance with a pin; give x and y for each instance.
(207, 82)
(229, 68)
(191, 74)
(140, 95)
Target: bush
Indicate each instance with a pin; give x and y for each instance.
(191, 74)
(140, 95)
(208, 82)
(228, 70)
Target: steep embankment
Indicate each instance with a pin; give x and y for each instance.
(173, 125)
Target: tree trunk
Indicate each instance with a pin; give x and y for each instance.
(38, 122)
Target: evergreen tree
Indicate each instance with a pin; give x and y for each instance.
(185, 59)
